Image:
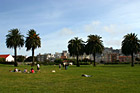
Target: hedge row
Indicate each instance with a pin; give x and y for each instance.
(121, 63)
(9, 63)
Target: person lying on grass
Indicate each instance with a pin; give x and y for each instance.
(85, 75)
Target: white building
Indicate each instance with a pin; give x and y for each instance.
(44, 57)
(57, 55)
(7, 57)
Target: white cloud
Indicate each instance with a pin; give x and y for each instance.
(114, 29)
(111, 28)
(96, 23)
(124, 13)
(92, 27)
(116, 43)
(112, 33)
(66, 31)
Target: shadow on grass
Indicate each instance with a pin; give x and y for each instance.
(107, 65)
(115, 66)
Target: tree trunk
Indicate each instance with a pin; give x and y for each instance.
(15, 64)
(94, 55)
(132, 64)
(77, 57)
(32, 56)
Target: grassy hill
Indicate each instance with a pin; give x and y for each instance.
(106, 79)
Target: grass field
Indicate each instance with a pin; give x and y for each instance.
(106, 79)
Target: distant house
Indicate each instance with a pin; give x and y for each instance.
(125, 58)
(63, 57)
(45, 57)
(7, 57)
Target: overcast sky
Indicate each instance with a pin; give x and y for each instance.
(58, 21)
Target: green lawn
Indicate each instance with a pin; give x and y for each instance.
(106, 79)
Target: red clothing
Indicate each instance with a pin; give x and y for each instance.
(32, 71)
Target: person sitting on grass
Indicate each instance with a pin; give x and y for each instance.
(25, 70)
(15, 70)
(32, 70)
(19, 71)
(11, 70)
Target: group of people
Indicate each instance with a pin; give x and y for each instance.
(64, 66)
(25, 70)
(31, 71)
(15, 70)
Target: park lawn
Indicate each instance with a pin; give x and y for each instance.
(106, 79)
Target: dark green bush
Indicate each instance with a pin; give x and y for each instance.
(2, 59)
(47, 62)
(29, 59)
(84, 63)
(8, 63)
(117, 63)
(58, 61)
(20, 58)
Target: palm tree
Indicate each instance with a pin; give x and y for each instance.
(13, 40)
(32, 42)
(76, 48)
(130, 45)
(94, 45)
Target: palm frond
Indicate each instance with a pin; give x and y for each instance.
(33, 40)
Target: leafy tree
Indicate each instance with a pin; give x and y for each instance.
(13, 40)
(32, 42)
(130, 45)
(94, 45)
(21, 58)
(30, 59)
(76, 48)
